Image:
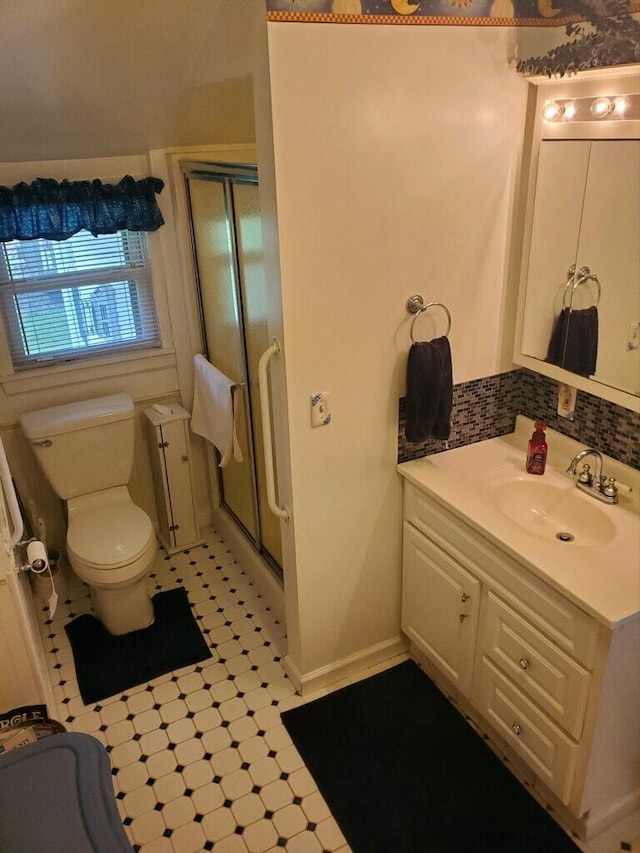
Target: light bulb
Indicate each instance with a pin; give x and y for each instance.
(570, 111)
(552, 111)
(621, 105)
(601, 107)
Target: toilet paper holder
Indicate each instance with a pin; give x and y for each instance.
(37, 558)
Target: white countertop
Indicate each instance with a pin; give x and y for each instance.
(604, 580)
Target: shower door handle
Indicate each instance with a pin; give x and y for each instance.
(263, 384)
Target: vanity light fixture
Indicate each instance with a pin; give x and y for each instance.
(602, 107)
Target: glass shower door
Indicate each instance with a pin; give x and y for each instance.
(227, 247)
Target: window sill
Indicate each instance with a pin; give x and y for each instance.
(50, 377)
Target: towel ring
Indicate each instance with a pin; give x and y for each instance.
(415, 305)
(584, 276)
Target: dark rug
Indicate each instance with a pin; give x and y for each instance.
(107, 665)
(402, 772)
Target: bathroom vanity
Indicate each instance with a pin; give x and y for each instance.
(535, 638)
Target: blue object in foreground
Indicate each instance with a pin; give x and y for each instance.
(56, 796)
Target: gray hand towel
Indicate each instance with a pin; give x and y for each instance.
(429, 391)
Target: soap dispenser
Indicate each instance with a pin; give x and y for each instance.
(537, 450)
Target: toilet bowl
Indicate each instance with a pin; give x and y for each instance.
(111, 545)
(85, 450)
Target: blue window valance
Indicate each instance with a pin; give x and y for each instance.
(55, 210)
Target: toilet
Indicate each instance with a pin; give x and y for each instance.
(85, 450)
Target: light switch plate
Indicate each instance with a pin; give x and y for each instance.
(320, 414)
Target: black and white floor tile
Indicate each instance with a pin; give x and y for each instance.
(200, 758)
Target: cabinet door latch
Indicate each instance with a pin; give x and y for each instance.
(163, 444)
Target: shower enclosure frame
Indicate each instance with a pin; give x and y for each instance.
(228, 175)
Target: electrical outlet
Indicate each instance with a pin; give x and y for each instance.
(320, 414)
(567, 401)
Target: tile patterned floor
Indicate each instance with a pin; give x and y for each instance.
(200, 758)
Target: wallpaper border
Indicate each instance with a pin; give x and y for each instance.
(417, 17)
(416, 20)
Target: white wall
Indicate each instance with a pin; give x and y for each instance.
(84, 79)
(396, 156)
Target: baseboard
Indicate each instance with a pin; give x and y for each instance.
(255, 567)
(311, 682)
(597, 822)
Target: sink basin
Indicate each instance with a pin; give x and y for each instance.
(553, 510)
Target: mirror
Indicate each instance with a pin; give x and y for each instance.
(581, 292)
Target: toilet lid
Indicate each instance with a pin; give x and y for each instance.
(110, 535)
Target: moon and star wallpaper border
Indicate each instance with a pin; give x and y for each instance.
(501, 13)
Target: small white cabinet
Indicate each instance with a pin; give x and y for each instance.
(553, 688)
(168, 437)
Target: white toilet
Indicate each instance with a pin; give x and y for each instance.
(85, 450)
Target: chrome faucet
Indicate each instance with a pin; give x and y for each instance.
(596, 485)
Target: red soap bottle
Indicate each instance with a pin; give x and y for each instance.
(537, 450)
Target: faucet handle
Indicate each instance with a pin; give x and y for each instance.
(585, 476)
(610, 489)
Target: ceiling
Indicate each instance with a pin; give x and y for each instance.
(89, 78)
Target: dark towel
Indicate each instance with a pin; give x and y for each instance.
(429, 390)
(574, 341)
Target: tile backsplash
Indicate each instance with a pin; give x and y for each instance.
(486, 408)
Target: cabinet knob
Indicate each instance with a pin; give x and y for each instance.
(185, 458)
(464, 597)
(516, 728)
(463, 616)
(524, 663)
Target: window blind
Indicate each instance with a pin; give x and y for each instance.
(78, 298)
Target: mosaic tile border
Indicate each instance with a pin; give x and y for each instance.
(483, 408)
(487, 408)
(610, 428)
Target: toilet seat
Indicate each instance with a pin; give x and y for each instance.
(110, 536)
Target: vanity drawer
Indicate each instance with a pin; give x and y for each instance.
(555, 682)
(549, 752)
(559, 619)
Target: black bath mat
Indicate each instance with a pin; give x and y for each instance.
(107, 665)
(402, 772)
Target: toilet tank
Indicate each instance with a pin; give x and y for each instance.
(83, 447)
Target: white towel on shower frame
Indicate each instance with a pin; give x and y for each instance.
(214, 409)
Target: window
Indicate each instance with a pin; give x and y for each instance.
(77, 298)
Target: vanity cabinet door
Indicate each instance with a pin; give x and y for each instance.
(440, 605)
